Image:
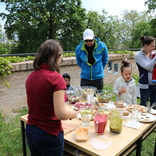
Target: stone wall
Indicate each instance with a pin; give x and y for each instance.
(15, 97)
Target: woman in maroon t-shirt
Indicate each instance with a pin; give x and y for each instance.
(45, 89)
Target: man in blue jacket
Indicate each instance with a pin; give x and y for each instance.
(92, 57)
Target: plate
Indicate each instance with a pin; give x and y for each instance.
(109, 105)
(147, 118)
(121, 106)
(153, 111)
(78, 106)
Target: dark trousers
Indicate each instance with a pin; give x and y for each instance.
(148, 95)
(99, 84)
(42, 143)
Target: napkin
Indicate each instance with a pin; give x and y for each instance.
(134, 125)
(100, 143)
(153, 111)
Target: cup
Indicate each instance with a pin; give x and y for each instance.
(85, 116)
(100, 122)
(134, 117)
(90, 98)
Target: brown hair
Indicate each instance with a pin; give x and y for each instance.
(49, 53)
(146, 40)
(125, 64)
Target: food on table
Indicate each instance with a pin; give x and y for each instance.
(86, 115)
(140, 108)
(125, 113)
(147, 119)
(119, 103)
(87, 90)
(144, 114)
(102, 104)
(73, 99)
(100, 121)
(79, 106)
(116, 121)
(104, 97)
(81, 134)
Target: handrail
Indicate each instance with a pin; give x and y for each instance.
(33, 54)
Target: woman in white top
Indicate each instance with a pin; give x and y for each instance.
(125, 86)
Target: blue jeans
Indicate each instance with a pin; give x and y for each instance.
(148, 95)
(42, 143)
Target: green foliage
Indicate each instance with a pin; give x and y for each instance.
(103, 26)
(10, 134)
(3, 49)
(151, 5)
(5, 67)
(153, 27)
(36, 21)
(142, 28)
(121, 52)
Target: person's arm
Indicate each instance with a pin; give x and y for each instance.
(105, 55)
(78, 60)
(140, 59)
(59, 107)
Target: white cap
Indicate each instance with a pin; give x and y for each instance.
(88, 34)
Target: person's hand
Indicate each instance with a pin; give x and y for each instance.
(122, 91)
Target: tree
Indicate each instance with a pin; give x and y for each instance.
(103, 27)
(31, 22)
(142, 28)
(128, 23)
(151, 5)
(153, 27)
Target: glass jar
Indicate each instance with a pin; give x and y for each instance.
(116, 116)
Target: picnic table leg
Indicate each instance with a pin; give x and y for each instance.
(139, 144)
(23, 138)
(155, 148)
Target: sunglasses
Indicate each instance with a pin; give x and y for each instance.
(88, 40)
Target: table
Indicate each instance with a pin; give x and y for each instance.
(122, 144)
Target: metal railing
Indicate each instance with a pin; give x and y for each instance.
(33, 54)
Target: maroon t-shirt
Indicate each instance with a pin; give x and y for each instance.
(40, 86)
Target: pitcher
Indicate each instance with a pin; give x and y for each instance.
(100, 122)
(116, 120)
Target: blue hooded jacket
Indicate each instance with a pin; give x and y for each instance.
(100, 54)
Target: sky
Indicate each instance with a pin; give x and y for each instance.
(112, 7)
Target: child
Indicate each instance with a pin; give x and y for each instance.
(66, 77)
(125, 86)
(70, 89)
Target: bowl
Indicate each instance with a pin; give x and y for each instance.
(84, 90)
(73, 99)
(104, 97)
(81, 134)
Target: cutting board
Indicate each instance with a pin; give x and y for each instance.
(68, 126)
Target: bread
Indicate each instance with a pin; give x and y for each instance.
(119, 103)
(125, 113)
(81, 134)
(140, 108)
